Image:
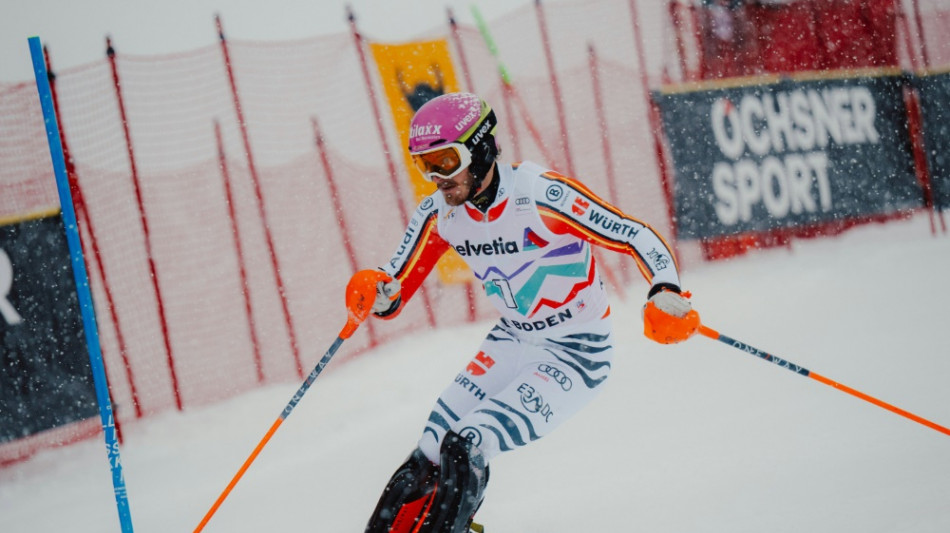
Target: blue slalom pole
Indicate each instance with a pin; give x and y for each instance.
(82, 283)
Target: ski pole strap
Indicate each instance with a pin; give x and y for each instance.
(739, 345)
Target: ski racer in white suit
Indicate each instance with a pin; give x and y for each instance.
(526, 233)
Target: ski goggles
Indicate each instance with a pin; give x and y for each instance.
(443, 162)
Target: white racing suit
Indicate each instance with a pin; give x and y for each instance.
(550, 351)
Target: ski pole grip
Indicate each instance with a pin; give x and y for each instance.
(708, 332)
(360, 296)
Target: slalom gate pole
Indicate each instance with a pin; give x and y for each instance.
(739, 345)
(83, 292)
(360, 294)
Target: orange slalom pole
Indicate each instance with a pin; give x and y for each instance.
(739, 345)
(360, 295)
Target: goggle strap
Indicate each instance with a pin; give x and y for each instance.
(485, 128)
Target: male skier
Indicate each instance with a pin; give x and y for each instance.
(526, 233)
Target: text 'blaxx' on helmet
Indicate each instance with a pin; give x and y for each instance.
(462, 118)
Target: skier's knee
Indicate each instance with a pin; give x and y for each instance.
(429, 498)
(462, 480)
(406, 496)
(462, 460)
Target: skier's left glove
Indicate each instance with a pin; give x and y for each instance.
(668, 316)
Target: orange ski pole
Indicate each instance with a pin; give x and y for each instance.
(360, 295)
(739, 345)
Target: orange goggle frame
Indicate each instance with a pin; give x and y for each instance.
(443, 162)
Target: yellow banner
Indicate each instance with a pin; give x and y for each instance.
(412, 74)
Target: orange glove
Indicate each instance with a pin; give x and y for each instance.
(361, 294)
(668, 317)
(388, 291)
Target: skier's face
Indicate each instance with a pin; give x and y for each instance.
(456, 189)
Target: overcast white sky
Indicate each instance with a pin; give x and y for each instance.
(75, 30)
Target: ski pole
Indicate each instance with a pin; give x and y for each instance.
(360, 295)
(739, 345)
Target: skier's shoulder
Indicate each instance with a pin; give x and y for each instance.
(427, 211)
(548, 187)
(524, 170)
(430, 204)
(531, 177)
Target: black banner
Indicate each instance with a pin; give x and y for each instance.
(45, 375)
(934, 93)
(789, 153)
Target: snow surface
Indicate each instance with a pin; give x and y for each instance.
(697, 437)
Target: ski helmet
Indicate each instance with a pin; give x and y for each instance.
(452, 132)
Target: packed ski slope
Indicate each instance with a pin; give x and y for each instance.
(696, 437)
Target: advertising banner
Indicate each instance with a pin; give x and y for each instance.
(785, 153)
(45, 375)
(412, 74)
(934, 92)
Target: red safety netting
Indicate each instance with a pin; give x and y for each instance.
(933, 19)
(26, 175)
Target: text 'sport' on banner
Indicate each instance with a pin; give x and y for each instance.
(777, 154)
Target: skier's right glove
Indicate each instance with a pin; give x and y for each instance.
(383, 288)
(668, 316)
(388, 296)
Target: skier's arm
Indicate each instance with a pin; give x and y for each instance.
(568, 206)
(418, 251)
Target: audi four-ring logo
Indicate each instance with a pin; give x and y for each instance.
(558, 376)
